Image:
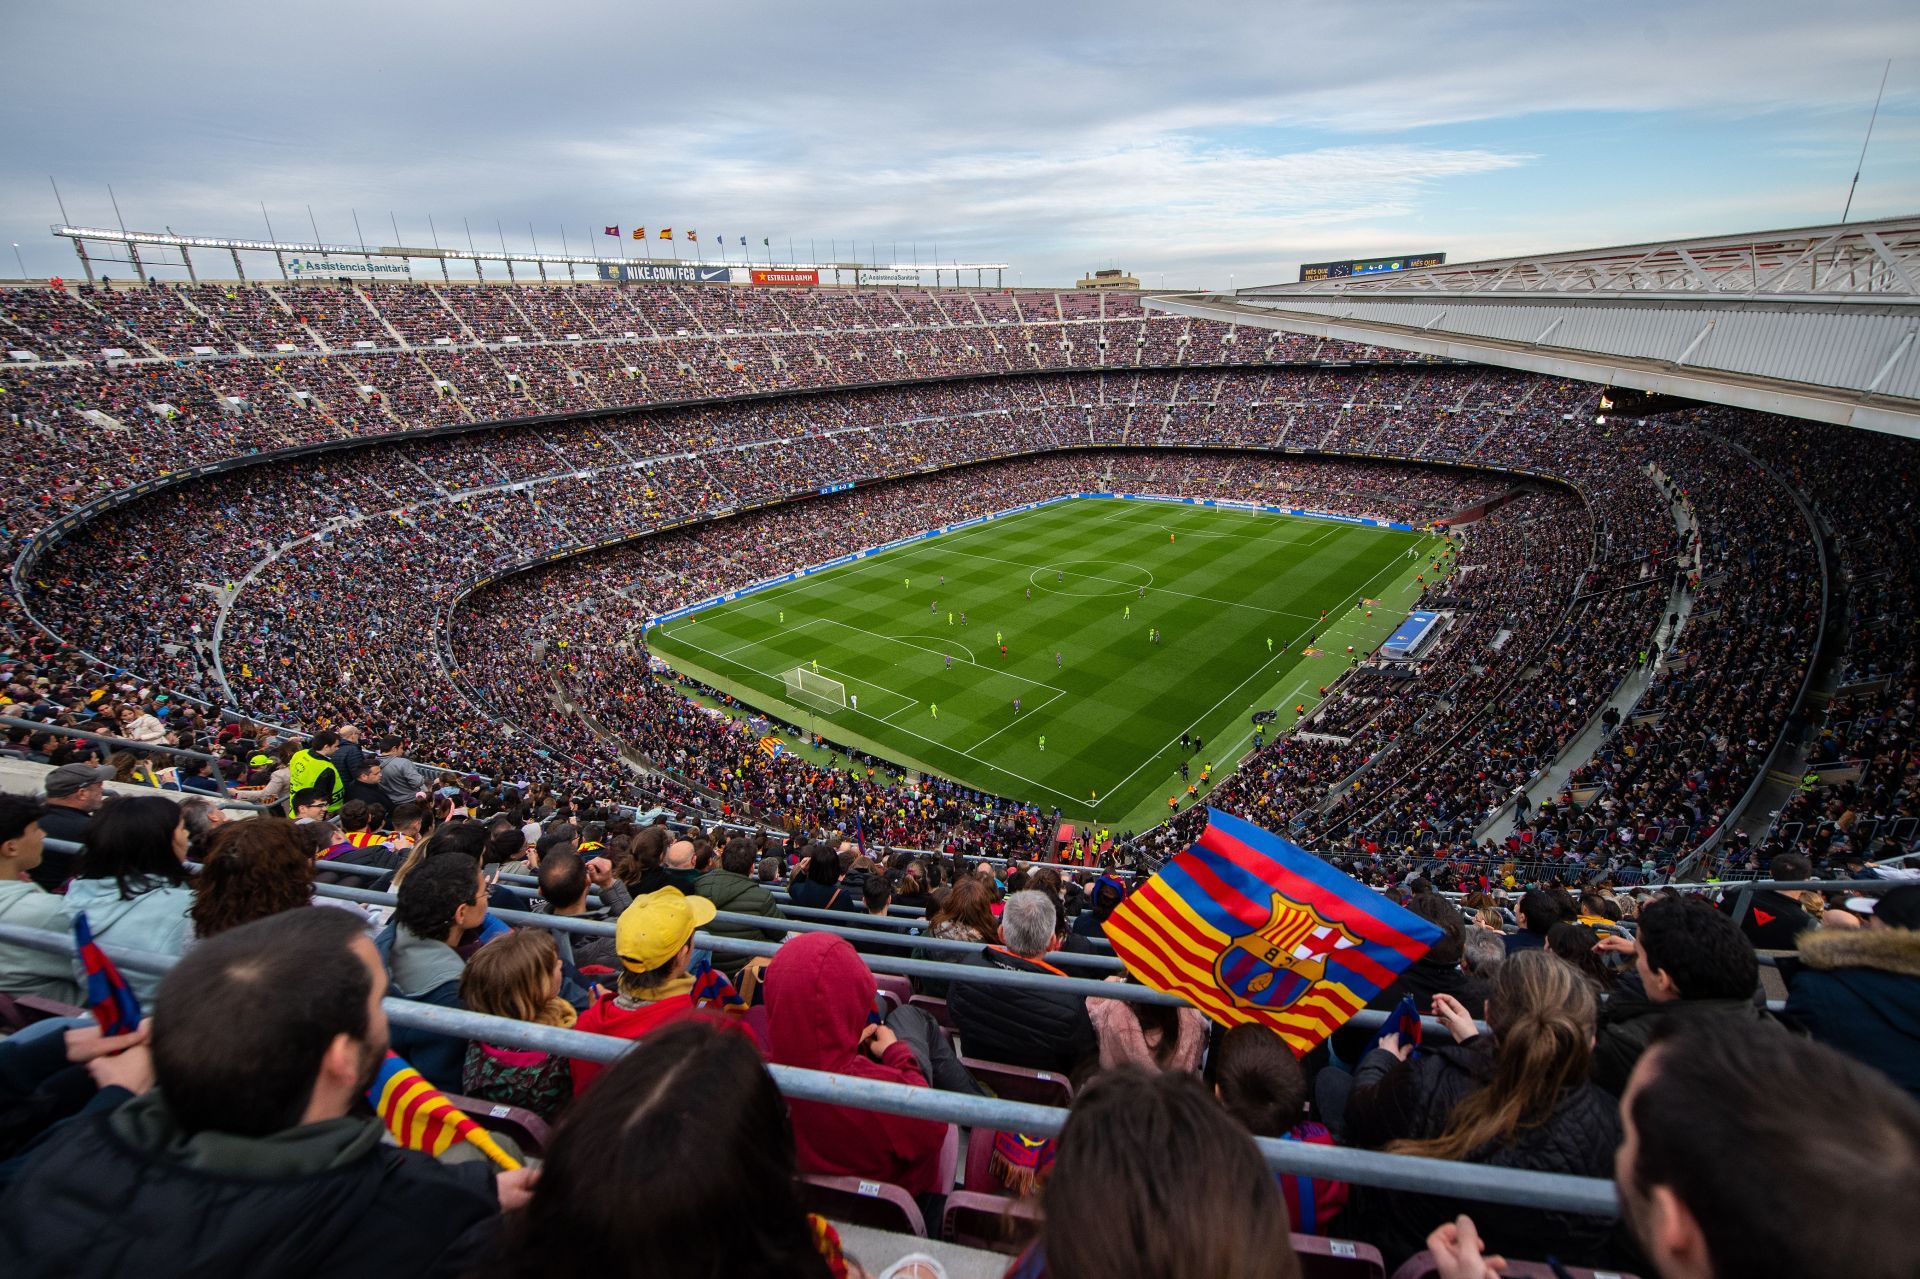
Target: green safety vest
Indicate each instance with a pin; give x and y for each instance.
(307, 770)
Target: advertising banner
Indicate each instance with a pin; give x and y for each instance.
(352, 268)
(656, 273)
(785, 278)
(890, 278)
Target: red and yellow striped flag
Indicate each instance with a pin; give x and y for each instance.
(421, 1118)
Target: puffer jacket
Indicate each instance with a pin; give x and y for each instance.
(1021, 1025)
(819, 997)
(1858, 990)
(130, 1192)
(1394, 1100)
(155, 920)
(1627, 1022)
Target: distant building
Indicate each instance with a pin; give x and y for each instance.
(1114, 279)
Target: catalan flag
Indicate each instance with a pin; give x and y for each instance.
(639, 233)
(421, 1118)
(1248, 927)
(112, 1001)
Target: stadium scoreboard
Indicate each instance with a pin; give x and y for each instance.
(1368, 266)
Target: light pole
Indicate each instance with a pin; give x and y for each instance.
(17, 258)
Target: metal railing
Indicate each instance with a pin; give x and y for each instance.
(162, 748)
(1547, 1191)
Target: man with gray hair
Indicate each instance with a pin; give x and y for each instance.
(1483, 954)
(1025, 1025)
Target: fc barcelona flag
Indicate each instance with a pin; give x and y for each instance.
(111, 1000)
(1248, 927)
(421, 1118)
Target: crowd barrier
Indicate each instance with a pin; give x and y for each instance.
(1546, 1191)
(145, 748)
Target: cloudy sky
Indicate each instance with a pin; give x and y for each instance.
(1195, 145)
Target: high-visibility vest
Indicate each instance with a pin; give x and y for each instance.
(306, 770)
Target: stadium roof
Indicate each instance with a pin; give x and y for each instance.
(1819, 322)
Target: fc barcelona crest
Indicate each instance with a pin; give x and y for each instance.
(1279, 962)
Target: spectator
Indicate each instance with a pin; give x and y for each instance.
(437, 902)
(132, 882)
(816, 883)
(1516, 1097)
(1023, 1025)
(1691, 962)
(1576, 944)
(1150, 1036)
(347, 755)
(517, 976)
(1153, 1178)
(1259, 1080)
(1774, 919)
(279, 777)
(1482, 953)
(204, 816)
(1539, 910)
(363, 786)
(1722, 1175)
(402, 780)
(966, 914)
(728, 887)
(1858, 990)
(250, 870)
(1108, 893)
(1438, 972)
(75, 793)
(247, 1129)
(312, 768)
(564, 879)
(654, 1173)
(654, 944)
(821, 1016)
(25, 904)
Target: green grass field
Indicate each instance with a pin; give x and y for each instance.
(1236, 596)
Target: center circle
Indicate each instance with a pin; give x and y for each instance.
(1114, 577)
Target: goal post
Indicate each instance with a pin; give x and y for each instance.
(814, 689)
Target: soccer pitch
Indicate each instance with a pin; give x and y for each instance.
(1236, 597)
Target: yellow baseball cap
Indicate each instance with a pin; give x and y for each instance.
(656, 926)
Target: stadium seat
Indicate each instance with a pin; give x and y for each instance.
(1421, 1265)
(1000, 1223)
(1338, 1258)
(20, 1011)
(879, 1204)
(895, 985)
(529, 1131)
(1017, 1083)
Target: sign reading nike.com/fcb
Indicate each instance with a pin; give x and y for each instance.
(1248, 927)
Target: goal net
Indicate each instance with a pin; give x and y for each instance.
(814, 689)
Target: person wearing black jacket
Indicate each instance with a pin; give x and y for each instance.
(253, 1153)
(1774, 920)
(1435, 973)
(1018, 1025)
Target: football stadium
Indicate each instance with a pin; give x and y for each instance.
(1318, 689)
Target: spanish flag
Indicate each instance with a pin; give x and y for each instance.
(421, 1118)
(1248, 927)
(666, 233)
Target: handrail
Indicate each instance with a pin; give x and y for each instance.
(153, 747)
(1549, 1191)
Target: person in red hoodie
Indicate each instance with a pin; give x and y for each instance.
(821, 1016)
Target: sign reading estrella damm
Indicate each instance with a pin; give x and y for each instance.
(1346, 267)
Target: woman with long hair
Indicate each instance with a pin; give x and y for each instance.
(132, 882)
(1150, 1036)
(250, 870)
(518, 976)
(1518, 1096)
(966, 914)
(1153, 1178)
(681, 1163)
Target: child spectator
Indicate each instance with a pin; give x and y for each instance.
(517, 976)
(1259, 1080)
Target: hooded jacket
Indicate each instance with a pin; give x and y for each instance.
(819, 995)
(155, 920)
(1858, 990)
(1627, 1022)
(428, 971)
(129, 1192)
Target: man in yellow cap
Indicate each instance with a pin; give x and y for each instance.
(654, 942)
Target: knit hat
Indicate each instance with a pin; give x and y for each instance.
(653, 929)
